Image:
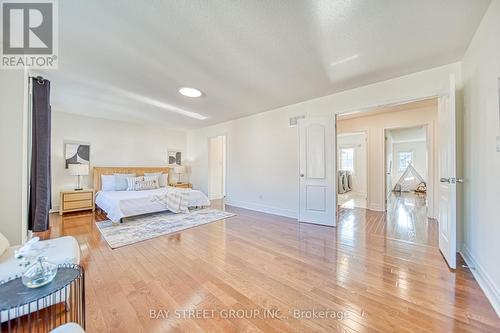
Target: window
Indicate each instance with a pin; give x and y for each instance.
(405, 158)
(347, 159)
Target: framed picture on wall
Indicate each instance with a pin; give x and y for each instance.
(174, 157)
(76, 153)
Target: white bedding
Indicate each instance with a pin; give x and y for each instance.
(119, 204)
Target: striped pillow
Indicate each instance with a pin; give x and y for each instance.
(131, 181)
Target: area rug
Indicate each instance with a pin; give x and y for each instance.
(140, 228)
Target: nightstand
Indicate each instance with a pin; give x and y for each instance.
(183, 185)
(73, 200)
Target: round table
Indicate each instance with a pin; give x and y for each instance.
(24, 309)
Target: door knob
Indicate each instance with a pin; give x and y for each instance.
(444, 180)
(460, 180)
(301, 175)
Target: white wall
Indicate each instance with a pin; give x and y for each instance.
(358, 142)
(481, 70)
(375, 125)
(113, 143)
(261, 161)
(13, 143)
(262, 151)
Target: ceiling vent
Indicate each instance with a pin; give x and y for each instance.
(292, 122)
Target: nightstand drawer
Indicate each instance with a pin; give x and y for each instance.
(77, 196)
(67, 205)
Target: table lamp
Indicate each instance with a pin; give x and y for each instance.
(78, 170)
(179, 169)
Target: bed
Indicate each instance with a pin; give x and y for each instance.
(120, 204)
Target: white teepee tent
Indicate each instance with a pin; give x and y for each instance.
(409, 180)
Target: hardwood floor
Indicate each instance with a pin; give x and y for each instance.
(372, 273)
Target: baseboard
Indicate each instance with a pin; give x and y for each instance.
(483, 279)
(375, 207)
(262, 208)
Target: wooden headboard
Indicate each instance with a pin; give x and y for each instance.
(139, 171)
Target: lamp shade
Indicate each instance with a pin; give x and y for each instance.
(179, 169)
(78, 169)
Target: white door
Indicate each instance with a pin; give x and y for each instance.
(447, 190)
(216, 167)
(317, 197)
(388, 167)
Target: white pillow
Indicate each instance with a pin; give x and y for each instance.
(121, 181)
(154, 179)
(131, 181)
(163, 177)
(146, 185)
(4, 244)
(107, 182)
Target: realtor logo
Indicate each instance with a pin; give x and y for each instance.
(29, 34)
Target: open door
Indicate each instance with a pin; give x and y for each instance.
(217, 167)
(447, 190)
(317, 197)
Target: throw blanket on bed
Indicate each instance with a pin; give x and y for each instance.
(175, 199)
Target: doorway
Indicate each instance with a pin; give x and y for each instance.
(352, 169)
(217, 167)
(407, 174)
(438, 114)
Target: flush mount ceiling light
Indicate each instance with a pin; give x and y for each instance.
(190, 92)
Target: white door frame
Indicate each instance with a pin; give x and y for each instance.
(431, 142)
(224, 180)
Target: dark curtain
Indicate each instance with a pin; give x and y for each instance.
(40, 178)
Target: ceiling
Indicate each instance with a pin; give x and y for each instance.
(126, 59)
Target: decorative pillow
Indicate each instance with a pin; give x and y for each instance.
(107, 182)
(155, 179)
(131, 182)
(4, 244)
(163, 177)
(146, 185)
(121, 181)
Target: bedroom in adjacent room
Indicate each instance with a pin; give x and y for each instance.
(352, 169)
